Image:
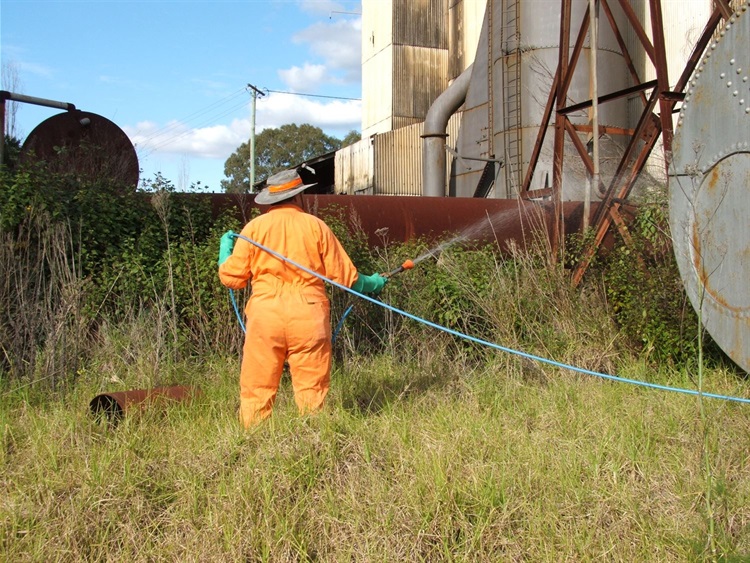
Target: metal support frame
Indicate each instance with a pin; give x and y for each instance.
(651, 125)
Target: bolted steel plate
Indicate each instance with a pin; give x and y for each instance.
(709, 189)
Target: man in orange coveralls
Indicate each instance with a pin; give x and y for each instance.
(288, 313)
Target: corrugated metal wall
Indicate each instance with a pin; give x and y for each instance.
(353, 167)
(398, 159)
(465, 19)
(389, 163)
(404, 61)
(421, 23)
(420, 75)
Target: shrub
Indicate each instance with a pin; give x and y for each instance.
(647, 295)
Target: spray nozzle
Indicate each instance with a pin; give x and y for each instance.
(408, 265)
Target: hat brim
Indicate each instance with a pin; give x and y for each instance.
(266, 197)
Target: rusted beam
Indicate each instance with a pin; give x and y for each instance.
(638, 28)
(577, 48)
(623, 46)
(698, 49)
(581, 149)
(559, 144)
(650, 125)
(662, 77)
(648, 132)
(642, 131)
(622, 228)
(579, 146)
(603, 129)
(724, 8)
(541, 134)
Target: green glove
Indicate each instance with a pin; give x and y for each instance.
(226, 246)
(369, 284)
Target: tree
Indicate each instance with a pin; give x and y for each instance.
(11, 152)
(352, 137)
(276, 150)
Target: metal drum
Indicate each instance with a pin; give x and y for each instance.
(709, 189)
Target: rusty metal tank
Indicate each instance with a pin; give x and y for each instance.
(394, 219)
(88, 144)
(709, 189)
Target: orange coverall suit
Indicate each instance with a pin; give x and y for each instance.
(288, 313)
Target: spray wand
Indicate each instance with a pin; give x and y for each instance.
(408, 265)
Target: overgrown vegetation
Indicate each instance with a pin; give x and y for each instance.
(646, 293)
(432, 447)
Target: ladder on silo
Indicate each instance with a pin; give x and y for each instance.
(511, 51)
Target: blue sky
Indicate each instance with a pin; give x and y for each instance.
(173, 74)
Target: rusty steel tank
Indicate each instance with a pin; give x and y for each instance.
(86, 143)
(710, 189)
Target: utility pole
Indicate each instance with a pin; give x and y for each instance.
(256, 94)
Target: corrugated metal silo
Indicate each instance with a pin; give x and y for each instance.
(683, 23)
(515, 64)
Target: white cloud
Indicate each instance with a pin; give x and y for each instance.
(305, 78)
(337, 117)
(175, 138)
(338, 44)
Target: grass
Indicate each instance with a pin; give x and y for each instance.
(429, 449)
(478, 463)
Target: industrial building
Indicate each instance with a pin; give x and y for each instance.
(415, 51)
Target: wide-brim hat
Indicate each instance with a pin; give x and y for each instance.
(281, 186)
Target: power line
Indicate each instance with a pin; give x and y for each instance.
(151, 146)
(169, 134)
(314, 95)
(188, 118)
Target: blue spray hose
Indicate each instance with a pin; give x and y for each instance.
(236, 310)
(487, 343)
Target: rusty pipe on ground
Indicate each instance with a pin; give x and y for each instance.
(114, 406)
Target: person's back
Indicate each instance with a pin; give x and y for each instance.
(288, 313)
(303, 239)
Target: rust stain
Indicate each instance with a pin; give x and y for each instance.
(713, 179)
(703, 276)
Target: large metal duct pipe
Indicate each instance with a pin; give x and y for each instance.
(434, 135)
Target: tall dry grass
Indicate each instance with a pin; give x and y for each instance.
(43, 328)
